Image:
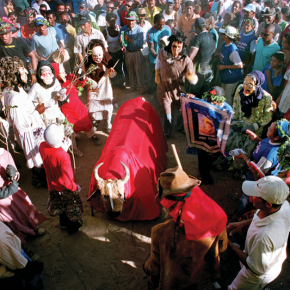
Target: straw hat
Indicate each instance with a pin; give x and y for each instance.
(59, 58)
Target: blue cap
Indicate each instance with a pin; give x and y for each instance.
(170, 1)
(40, 21)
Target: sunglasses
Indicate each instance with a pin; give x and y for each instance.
(110, 7)
(265, 34)
(128, 5)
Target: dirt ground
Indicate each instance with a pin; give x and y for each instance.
(108, 254)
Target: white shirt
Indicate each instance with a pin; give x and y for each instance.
(266, 241)
(82, 40)
(102, 19)
(10, 252)
(36, 6)
(92, 4)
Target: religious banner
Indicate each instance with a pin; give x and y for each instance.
(207, 126)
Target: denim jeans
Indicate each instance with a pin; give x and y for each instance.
(119, 79)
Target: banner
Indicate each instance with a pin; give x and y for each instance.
(207, 126)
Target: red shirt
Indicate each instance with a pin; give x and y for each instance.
(28, 32)
(123, 15)
(207, 10)
(58, 169)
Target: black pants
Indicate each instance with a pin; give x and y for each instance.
(71, 226)
(205, 161)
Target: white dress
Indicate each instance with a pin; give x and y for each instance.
(101, 100)
(52, 110)
(27, 125)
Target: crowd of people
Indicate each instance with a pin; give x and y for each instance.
(234, 54)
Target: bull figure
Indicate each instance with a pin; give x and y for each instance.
(112, 191)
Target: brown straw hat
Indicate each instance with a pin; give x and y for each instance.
(175, 180)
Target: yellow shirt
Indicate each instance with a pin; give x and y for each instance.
(187, 26)
(150, 16)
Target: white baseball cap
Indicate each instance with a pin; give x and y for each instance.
(250, 7)
(271, 188)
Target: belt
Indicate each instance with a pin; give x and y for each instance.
(127, 50)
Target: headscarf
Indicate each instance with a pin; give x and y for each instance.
(252, 101)
(54, 135)
(283, 129)
(38, 73)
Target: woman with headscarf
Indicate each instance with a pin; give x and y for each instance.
(252, 110)
(172, 67)
(99, 69)
(25, 118)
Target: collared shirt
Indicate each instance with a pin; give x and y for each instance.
(265, 248)
(151, 13)
(153, 36)
(187, 25)
(136, 33)
(83, 39)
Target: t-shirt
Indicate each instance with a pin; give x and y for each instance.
(276, 81)
(26, 31)
(153, 36)
(205, 42)
(264, 54)
(36, 5)
(44, 45)
(62, 32)
(18, 47)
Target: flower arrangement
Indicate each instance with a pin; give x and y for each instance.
(213, 95)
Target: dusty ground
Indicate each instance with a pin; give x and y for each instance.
(108, 254)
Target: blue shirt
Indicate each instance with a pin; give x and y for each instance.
(153, 36)
(269, 151)
(216, 36)
(44, 45)
(136, 33)
(276, 81)
(61, 32)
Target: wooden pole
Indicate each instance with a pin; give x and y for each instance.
(176, 156)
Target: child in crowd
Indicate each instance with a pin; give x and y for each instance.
(247, 42)
(273, 75)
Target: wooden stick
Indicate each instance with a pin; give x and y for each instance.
(176, 156)
(115, 63)
(43, 114)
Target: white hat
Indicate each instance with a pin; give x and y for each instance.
(229, 31)
(54, 135)
(271, 188)
(250, 7)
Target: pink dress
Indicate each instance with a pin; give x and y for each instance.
(17, 210)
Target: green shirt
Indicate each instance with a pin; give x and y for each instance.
(22, 4)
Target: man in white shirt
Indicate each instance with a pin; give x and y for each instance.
(265, 250)
(102, 17)
(83, 38)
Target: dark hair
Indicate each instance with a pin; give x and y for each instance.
(279, 55)
(12, 14)
(247, 56)
(9, 67)
(93, 43)
(64, 13)
(60, 3)
(214, 15)
(270, 3)
(238, 2)
(285, 10)
(158, 17)
(179, 37)
(287, 36)
(169, 21)
(273, 205)
(189, 3)
(49, 12)
(68, 4)
(271, 27)
(110, 15)
(278, 15)
(43, 5)
(207, 15)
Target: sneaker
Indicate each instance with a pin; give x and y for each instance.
(40, 232)
(97, 141)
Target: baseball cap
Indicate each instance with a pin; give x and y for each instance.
(83, 17)
(40, 21)
(131, 16)
(271, 188)
(200, 22)
(170, 1)
(250, 7)
(83, 4)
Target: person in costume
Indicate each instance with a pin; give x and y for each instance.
(64, 199)
(267, 236)
(185, 248)
(252, 110)
(17, 269)
(72, 107)
(16, 208)
(265, 156)
(171, 68)
(215, 96)
(23, 116)
(99, 69)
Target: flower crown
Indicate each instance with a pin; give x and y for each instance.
(27, 13)
(214, 97)
(6, 27)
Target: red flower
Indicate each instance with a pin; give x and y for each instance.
(213, 92)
